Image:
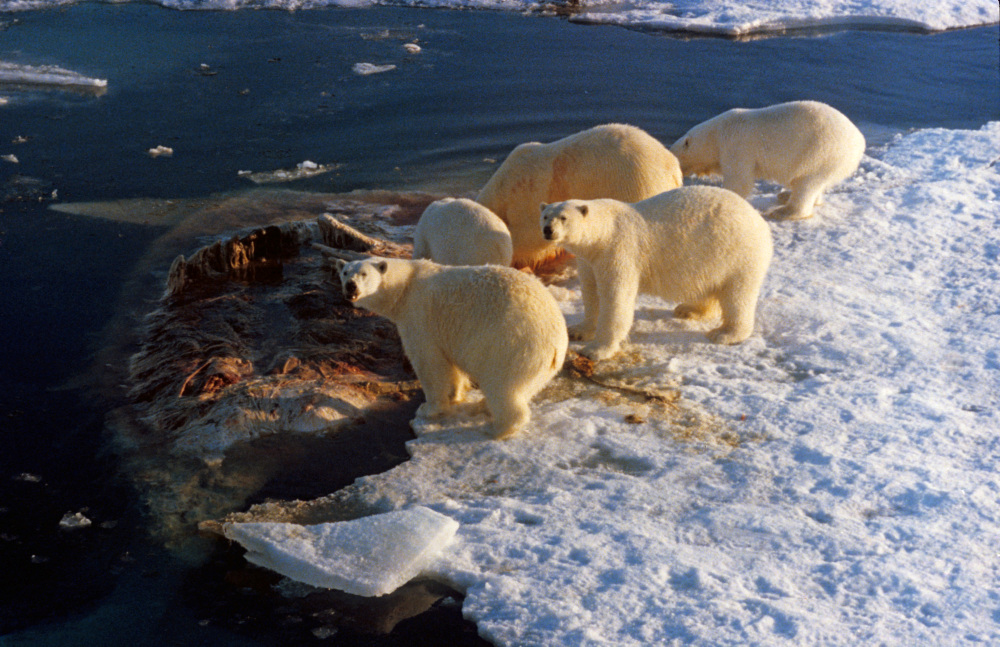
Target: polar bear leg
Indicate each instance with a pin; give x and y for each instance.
(737, 176)
(738, 303)
(459, 386)
(804, 194)
(703, 309)
(508, 407)
(617, 301)
(440, 380)
(591, 304)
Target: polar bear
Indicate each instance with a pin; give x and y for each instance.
(806, 146)
(459, 231)
(609, 161)
(493, 326)
(702, 246)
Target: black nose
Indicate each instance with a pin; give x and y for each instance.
(350, 289)
(547, 231)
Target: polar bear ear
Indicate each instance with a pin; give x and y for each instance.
(339, 264)
(542, 207)
(583, 210)
(382, 267)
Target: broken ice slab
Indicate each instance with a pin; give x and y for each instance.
(369, 556)
(302, 170)
(49, 76)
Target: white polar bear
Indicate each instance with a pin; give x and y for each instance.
(702, 246)
(459, 231)
(609, 161)
(805, 146)
(494, 326)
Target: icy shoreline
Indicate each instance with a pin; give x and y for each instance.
(830, 481)
(728, 18)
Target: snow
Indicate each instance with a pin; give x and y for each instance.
(832, 480)
(370, 556)
(743, 18)
(721, 17)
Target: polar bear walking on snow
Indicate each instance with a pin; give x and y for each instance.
(805, 146)
(702, 246)
(459, 231)
(493, 326)
(609, 161)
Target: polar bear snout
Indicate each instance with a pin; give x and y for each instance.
(351, 291)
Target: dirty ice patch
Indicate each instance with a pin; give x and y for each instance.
(832, 480)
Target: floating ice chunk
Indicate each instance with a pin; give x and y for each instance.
(364, 69)
(412, 48)
(73, 521)
(302, 170)
(370, 556)
(160, 150)
(49, 75)
(10, 158)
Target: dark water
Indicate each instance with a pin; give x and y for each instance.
(278, 89)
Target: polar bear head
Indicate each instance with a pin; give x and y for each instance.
(562, 222)
(360, 279)
(698, 150)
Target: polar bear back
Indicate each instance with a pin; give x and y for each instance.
(608, 161)
(810, 136)
(692, 240)
(487, 318)
(461, 232)
(780, 143)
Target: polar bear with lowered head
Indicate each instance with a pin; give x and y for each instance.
(702, 246)
(806, 146)
(608, 161)
(459, 231)
(493, 326)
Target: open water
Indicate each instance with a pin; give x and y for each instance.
(265, 90)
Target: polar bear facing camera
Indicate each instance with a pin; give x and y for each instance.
(702, 246)
(459, 231)
(609, 161)
(492, 326)
(805, 146)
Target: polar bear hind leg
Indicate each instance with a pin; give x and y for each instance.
(738, 302)
(707, 308)
(508, 408)
(803, 196)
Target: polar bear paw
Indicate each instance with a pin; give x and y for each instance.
(727, 335)
(431, 411)
(786, 212)
(580, 332)
(696, 310)
(598, 351)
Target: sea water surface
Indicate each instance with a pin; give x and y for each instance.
(266, 90)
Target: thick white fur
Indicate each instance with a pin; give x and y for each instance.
(493, 326)
(459, 231)
(702, 246)
(608, 161)
(805, 146)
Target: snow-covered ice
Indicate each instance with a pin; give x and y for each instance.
(832, 480)
(723, 17)
(370, 556)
